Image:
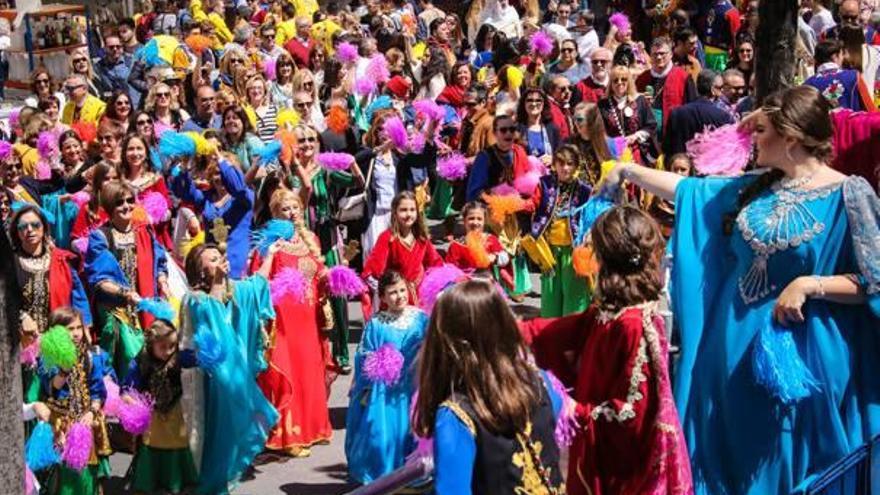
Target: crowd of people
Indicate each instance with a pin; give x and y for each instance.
(194, 204)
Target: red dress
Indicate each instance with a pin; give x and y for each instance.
(390, 253)
(294, 381)
(631, 440)
(460, 256)
(162, 230)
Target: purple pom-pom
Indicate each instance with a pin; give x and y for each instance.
(526, 183)
(14, 118)
(156, 206)
(377, 69)
(541, 44)
(334, 162)
(113, 402)
(135, 414)
(269, 68)
(80, 198)
(536, 165)
(365, 86)
(347, 53)
(81, 244)
(436, 280)
(345, 282)
(5, 150)
(44, 169)
(288, 282)
(78, 446)
(430, 110)
(621, 22)
(566, 423)
(721, 151)
(47, 145)
(504, 189)
(28, 355)
(417, 143)
(396, 132)
(384, 365)
(452, 167)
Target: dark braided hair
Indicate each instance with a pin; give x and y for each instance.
(801, 113)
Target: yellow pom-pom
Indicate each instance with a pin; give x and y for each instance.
(515, 77)
(288, 119)
(203, 146)
(419, 49)
(627, 155)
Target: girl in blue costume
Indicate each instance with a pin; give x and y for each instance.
(229, 418)
(491, 412)
(798, 244)
(75, 395)
(226, 205)
(377, 424)
(124, 263)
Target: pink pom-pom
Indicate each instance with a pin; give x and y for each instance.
(452, 167)
(430, 110)
(44, 169)
(504, 189)
(80, 198)
(81, 244)
(436, 280)
(47, 145)
(135, 413)
(384, 365)
(537, 166)
(28, 355)
(541, 44)
(269, 68)
(345, 282)
(721, 151)
(621, 22)
(5, 150)
(566, 423)
(526, 183)
(347, 53)
(365, 86)
(14, 116)
(334, 161)
(377, 69)
(156, 206)
(417, 143)
(78, 446)
(396, 132)
(113, 402)
(288, 282)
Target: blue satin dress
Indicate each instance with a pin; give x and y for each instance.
(741, 439)
(378, 435)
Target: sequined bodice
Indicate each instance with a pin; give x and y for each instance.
(778, 228)
(124, 250)
(33, 278)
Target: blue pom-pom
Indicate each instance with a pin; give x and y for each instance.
(150, 54)
(176, 145)
(209, 350)
(589, 213)
(274, 230)
(157, 307)
(40, 453)
(779, 367)
(269, 152)
(379, 103)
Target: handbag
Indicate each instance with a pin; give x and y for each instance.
(351, 207)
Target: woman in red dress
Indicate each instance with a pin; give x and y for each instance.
(405, 248)
(295, 381)
(134, 168)
(629, 439)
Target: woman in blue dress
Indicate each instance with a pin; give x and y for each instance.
(797, 244)
(228, 417)
(377, 424)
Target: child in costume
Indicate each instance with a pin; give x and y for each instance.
(163, 460)
(405, 248)
(77, 395)
(478, 249)
(377, 424)
(614, 355)
(491, 412)
(555, 227)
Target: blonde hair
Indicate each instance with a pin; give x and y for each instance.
(279, 198)
(299, 78)
(150, 104)
(622, 70)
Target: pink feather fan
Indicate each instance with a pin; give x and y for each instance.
(344, 282)
(384, 365)
(430, 110)
(541, 44)
(377, 69)
(621, 22)
(452, 167)
(722, 151)
(288, 282)
(396, 132)
(334, 162)
(435, 281)
(347, 53)
(156, 206)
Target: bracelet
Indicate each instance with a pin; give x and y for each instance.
(821, 290)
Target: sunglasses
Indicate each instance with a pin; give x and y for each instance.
(563, 88)
(106, 139)
(122, 102)
(567, 50)
(125, 201)
(620, 80)
(144, 122)
(310, 139)
(599, 62)
(534, 100)
(236, 61)
(114, 47)
(23, 226)
(302, 104)
(42, 81)
(507, 130)
(73, 88)
(745, 50)
(163, 95)
(78, 60)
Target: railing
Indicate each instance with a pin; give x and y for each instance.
(856, 474)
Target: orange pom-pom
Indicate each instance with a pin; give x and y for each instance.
(502, 206)
(584, 262)
(337, 119)
(288, 144)
(474, 242)
(86, 131)
(198, 43)
(139, 216)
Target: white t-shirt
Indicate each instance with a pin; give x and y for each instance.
(821, 22)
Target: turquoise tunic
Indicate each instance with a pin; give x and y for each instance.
(741, 439)
(377, 424)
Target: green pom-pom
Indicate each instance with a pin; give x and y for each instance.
(57, 349)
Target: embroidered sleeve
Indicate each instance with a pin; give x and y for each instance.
(462, 416)
(863, 210)
(633, 388)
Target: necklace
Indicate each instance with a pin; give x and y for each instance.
(790, 183)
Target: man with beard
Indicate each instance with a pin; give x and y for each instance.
(499, 163)
(595, 86)
(672, 85)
